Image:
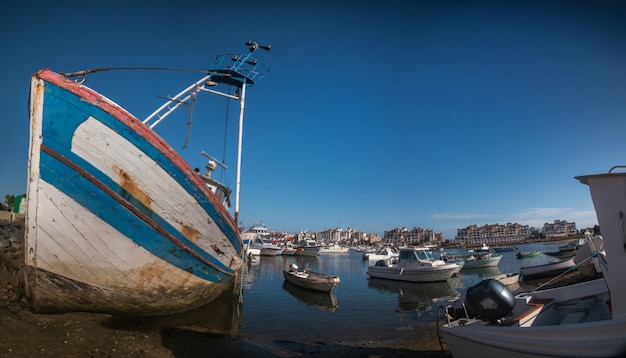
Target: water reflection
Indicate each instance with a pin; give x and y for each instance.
(416, 297)
(223, 316)
(322, 300)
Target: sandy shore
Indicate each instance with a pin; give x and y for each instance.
(26, 334)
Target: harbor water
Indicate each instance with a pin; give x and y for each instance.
(359, 308)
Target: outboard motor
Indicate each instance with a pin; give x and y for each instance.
(293, 267)
(490, 299)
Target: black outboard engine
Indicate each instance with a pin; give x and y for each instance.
(490, 299)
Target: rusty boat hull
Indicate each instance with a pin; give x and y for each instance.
(117, 222)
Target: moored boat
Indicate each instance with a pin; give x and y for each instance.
(482, 261)
(482, 249)
(118, 222)
(550, 269)
(265, 246)
(586, 318)
(384, 253)
(334, 249)
(310, 280)
(527, 254)
(304, 245)
(413, 265)
(572, 245)
(288, 249)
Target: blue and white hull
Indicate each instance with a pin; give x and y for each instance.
(117, 221)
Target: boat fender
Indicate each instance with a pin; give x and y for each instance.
(490, 299)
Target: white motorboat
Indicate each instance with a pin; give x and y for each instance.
(334, 249)
(482, 261)
(413, 265)
(288, 249)
(480, 250)
(260, 229)
(584, 319)
(307, 247)
(265, 246)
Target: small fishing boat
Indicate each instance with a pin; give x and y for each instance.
(385, 253)
(265, 246)
(482, 261)
(288, 249)
(305, 245)
(413, 265)
(473, 261)
(586, 318)
(547, 270)
(572, 245)
(310, 280)
(118, 222)
(482, 249)
(527, 254)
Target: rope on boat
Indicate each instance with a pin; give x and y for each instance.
(102, 69)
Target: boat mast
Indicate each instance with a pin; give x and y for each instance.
(242, 100)
(237, 70)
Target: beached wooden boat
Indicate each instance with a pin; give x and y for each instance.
(546, 270)
(117, 221)
(310, 280)
(527, 254)
(582, 319)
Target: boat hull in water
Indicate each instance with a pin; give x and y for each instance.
(117, 221)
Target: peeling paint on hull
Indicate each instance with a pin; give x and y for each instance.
(117, 222)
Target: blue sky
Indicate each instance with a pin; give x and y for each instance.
(375, 114)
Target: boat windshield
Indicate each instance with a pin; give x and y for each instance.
(414, 255)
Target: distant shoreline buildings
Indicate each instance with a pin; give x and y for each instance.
(490, 234)
(511, 233)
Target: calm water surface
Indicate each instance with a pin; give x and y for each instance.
(359, 307)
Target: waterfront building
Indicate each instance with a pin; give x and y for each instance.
(493, 234)
(559, 228)
(416, 236)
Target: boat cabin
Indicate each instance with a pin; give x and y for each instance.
(415, 255)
